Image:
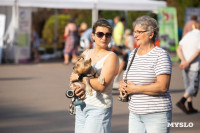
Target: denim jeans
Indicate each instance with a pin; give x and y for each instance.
(92, 119)
(150, 123)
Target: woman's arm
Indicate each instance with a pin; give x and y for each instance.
(160, 86)
(108, 72)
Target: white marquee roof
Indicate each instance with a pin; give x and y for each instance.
(144, 5)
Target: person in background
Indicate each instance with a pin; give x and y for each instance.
(180, 34)
(148, 80)
(94, 116)
(35, 44)
(128, 39)
(71, 41)
(128, 43)
(190, 25)
(83, 27)
(188, 52)
(118, 31)
(86, 40)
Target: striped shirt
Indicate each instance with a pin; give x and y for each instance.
(143, 71)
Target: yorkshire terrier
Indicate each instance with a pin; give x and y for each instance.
(85, 71)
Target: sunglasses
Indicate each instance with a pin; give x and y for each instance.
(101, 34)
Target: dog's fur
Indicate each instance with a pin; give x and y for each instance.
(84, 68)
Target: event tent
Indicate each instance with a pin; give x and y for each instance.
(11, 9)
(95, 5)
(144, 5)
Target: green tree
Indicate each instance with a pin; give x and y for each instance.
(48, 30)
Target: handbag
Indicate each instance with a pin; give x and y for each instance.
(126, 99)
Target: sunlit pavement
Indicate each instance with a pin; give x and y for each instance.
(32, 100)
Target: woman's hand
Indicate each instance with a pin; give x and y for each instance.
(130, 88)
(79, 92)
(122, 86)
(74, 77)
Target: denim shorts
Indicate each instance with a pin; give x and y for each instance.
(92, 119)
(150, 123)
(191, 82)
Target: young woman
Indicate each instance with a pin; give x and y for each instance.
(94, 116)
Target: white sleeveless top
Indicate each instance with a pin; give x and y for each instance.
(100, 99)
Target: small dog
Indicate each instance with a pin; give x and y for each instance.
(85, 71)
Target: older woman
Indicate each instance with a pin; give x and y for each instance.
(148, 82)
(94, 116)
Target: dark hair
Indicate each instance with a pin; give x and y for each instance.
(149, 24)
(102, 23)
(194, 17)
(72, 20)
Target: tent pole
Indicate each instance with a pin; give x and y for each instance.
(94, 15)
(55, 30)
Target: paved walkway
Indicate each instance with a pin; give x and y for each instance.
(33, 101)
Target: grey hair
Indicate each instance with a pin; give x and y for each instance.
(149, 24)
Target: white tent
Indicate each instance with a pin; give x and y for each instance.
(11, 7)
(95, 5)
(144, 5)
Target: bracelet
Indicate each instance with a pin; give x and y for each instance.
(101, 80)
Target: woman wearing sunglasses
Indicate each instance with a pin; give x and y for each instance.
(94, 116)
(148, 81)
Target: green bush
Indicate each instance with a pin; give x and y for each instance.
(48, 31)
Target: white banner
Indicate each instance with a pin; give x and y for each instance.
(22, 50)
(2, 30)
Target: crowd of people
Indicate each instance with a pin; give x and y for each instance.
(146, 78)
(121, 43)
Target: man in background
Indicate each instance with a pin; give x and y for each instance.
(188, 52)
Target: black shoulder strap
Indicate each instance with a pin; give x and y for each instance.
(128, 67)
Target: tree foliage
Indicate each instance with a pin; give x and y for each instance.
(48, 30)
(81, 16)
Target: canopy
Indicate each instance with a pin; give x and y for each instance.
(94, 5)
(7, 2)
(144, 5)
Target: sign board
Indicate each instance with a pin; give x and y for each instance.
(22, 50)
(168, 32)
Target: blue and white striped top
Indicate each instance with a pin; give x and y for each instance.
(143, 71)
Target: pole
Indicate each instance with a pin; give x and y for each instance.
(55, 31)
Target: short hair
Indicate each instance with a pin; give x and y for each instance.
(148, 23)
(194, 17)
(72, 20)
(102, 23)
